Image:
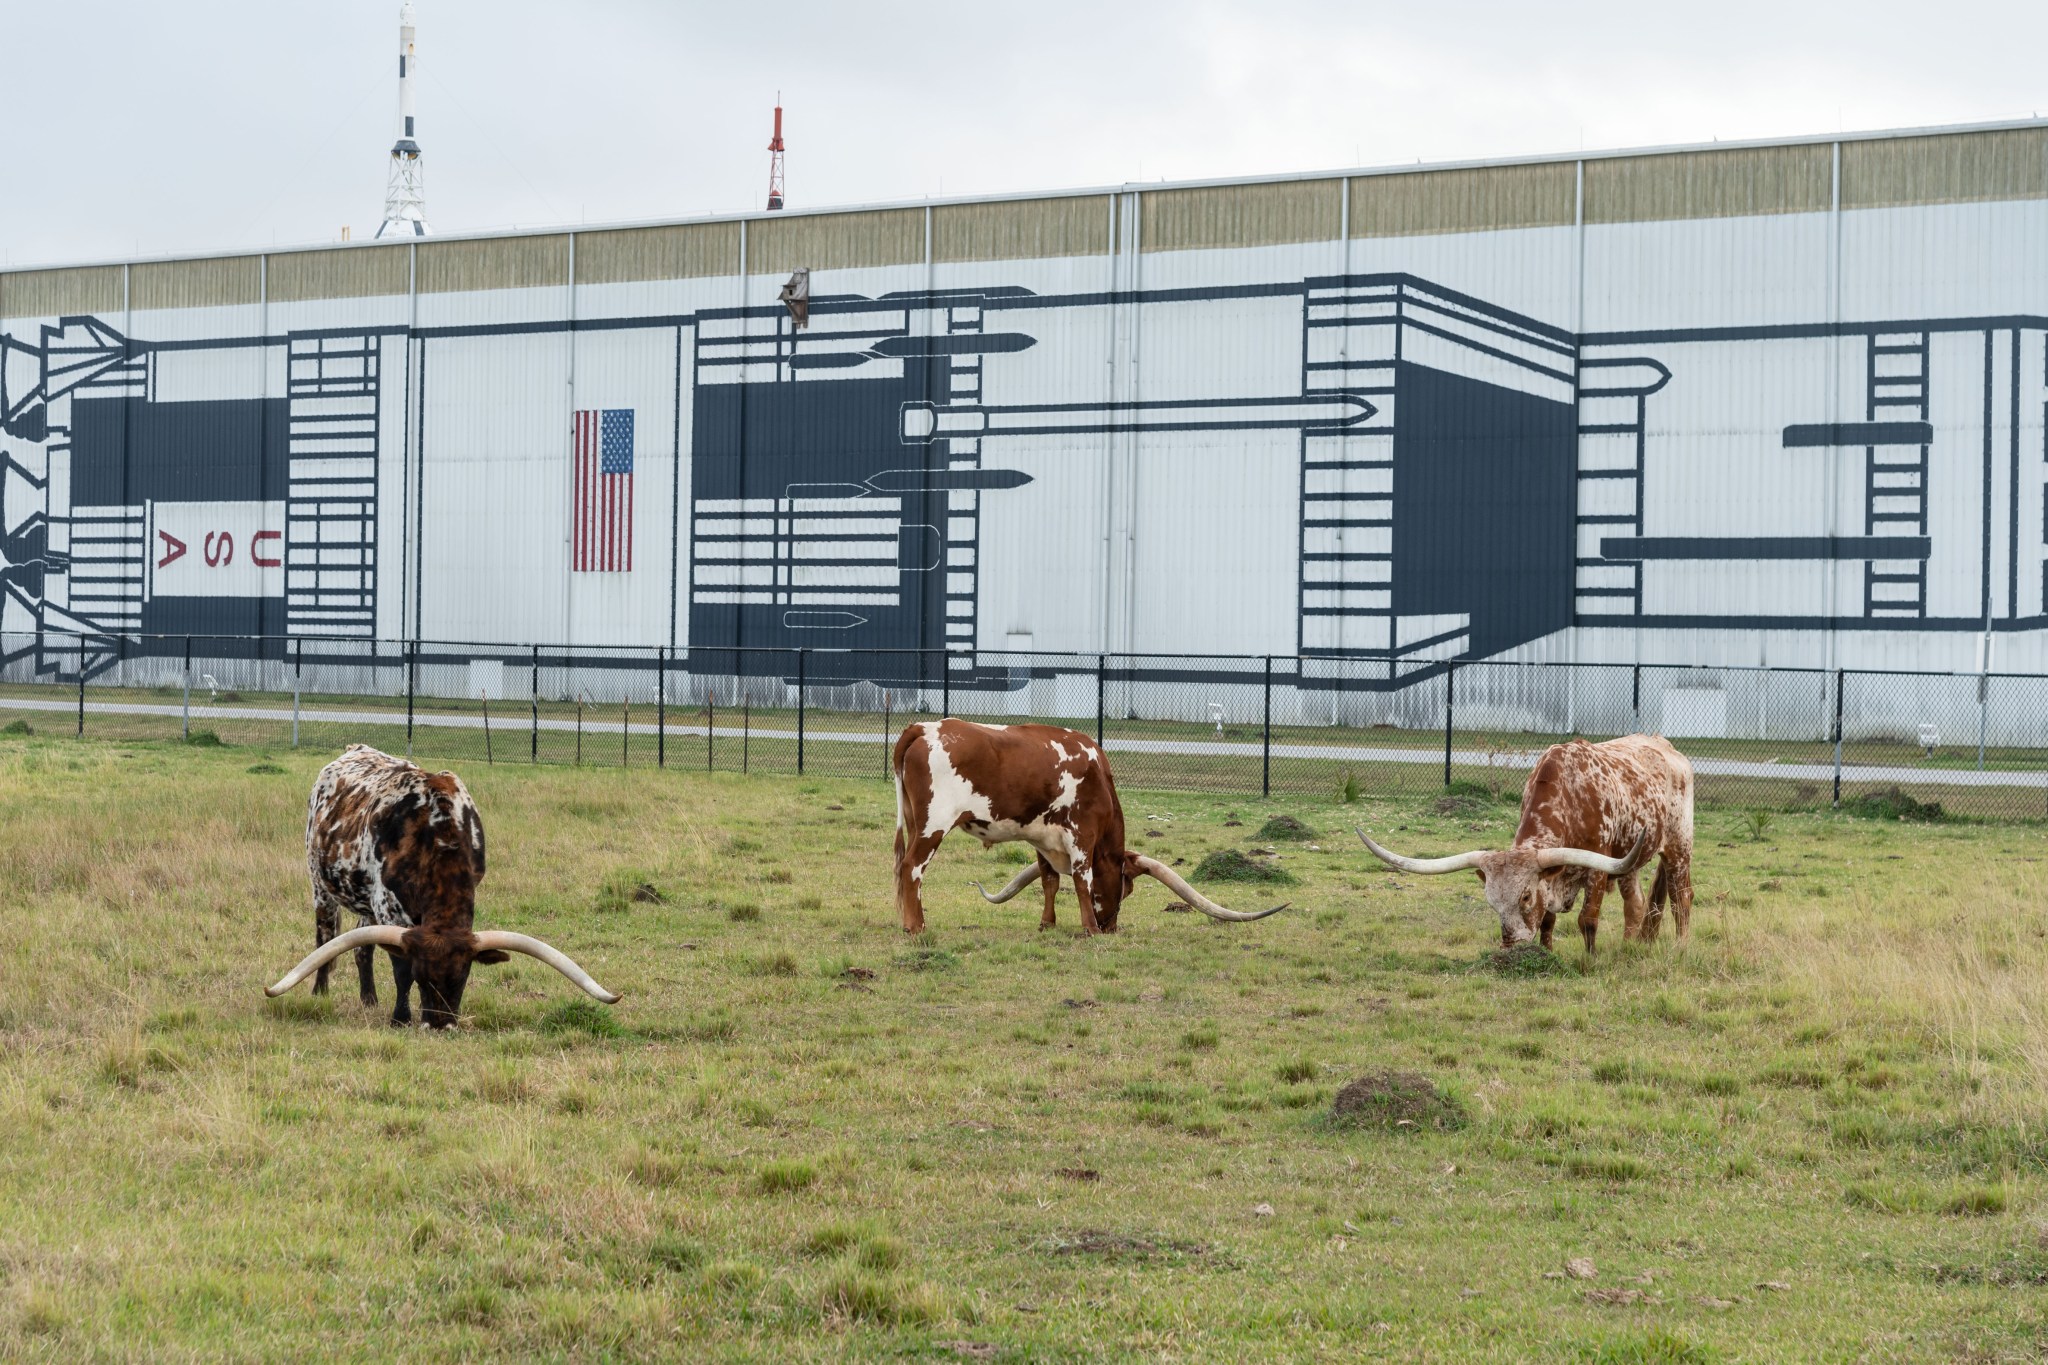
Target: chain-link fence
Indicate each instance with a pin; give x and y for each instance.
(1889, 743)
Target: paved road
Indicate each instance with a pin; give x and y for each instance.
(1336, 753)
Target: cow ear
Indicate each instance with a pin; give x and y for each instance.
(491, 957)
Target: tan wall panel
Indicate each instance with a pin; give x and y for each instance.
(52, 293)
(1021, 230)
(1240, 215)
(1479, 199)
(350, 273)
(494, 263)
(1955, 168)
(685, 252)
(835, 241)
(196, 284)
(1736, 183)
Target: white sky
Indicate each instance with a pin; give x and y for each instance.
(141, 127)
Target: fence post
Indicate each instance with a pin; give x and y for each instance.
(710, 726)
(81, 687)
(626, 733)
(1635, 698)
(661, 707)
(746, 731)
(945, 683)
(801, 655)
(485, 698)
(1983, 715)
(185, 727)
(412, 670)
(1839, 674)
(1098, 700)
(1266, 757)
(534, 693)
(1450, 709)
(298, 681)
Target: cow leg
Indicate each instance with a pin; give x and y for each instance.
(1681, 892)
(401, 976)
(912, 856)
(1633, 906)
(1084, 892)
(1589, 917)
(326, 924)
(1549, 923)
(1660, 892)
(1050, 880)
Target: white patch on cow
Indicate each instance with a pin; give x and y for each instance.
(953, 796)
(1060, 754)
(1070, 791)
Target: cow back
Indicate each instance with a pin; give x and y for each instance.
(1604, 796)
(391, 839)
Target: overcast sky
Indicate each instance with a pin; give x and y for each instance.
(142, 127)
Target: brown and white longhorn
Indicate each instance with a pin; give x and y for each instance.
(1038, 784)
(1591, 813)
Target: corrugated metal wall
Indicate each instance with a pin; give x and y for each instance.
(354, 273)
(51, 293)
(1778, 404)
(1482, 199)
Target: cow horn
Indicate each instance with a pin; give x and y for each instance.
(1017, 883)
(554, 957)
(1598, 862)
(1424, 867)
(1152, 867)
(369, 935)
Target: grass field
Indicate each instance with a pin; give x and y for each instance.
(1817, 1132)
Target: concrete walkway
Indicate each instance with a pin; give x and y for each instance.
(1331, 753)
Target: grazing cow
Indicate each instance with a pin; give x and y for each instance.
(403, 849)
(1590, 812)
(1046, 786)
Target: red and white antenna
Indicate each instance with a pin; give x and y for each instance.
(775, 158)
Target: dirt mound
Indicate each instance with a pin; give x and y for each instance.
(1228, 865)
(1286, 827)
(1893, 804)
(1401, 1100)
(1461, 805)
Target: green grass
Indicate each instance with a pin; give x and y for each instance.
(801, 1136)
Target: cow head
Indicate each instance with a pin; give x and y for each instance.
(1523, 884)
(440, 962)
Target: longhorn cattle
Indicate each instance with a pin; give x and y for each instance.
(1040, 784)
(403, 849)
(1591, 813)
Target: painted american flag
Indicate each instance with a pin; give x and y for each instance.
(601, 525)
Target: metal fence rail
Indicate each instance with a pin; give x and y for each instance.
(1976, 744)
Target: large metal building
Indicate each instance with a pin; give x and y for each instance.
(1748, 404)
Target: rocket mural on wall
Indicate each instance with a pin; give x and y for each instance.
(1465, 479)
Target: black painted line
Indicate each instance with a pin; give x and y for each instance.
(1827, 434)
(1823, 548)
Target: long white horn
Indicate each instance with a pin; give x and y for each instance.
(533, 947)
(1585, 857)
(1152, 867)
(1424, 867)
(1017, 883)
(370, 935)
